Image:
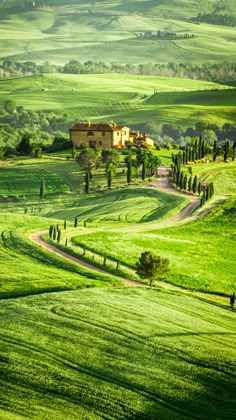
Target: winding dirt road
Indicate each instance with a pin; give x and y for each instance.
(162, 184)
(37, 239)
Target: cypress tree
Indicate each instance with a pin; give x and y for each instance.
(64, 224)
(50, 231)
(117, 265)
(204, 197)
(211, 189)
(174, 173)
(200, 148)
(66, 241)
(190, 184)
(199, 188)
(187, 156)
(203, 149)
(195, 184)
(58, 236)
(234, 151)
(185, 182)
(75, 222)
(184, 157)
(181, 181)
(177, 177)
(85, 224)
(207, 193)
(214, 147)
(226, 151)
(54, 235)
(87, 179)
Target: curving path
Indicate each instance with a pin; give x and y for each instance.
(37, 239)
(162, 184)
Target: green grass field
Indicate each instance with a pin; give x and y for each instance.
(126, 98)
(123, 354)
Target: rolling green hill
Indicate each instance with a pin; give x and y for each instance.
(125, 98)
(109, 31)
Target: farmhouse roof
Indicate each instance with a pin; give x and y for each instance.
(95, 127)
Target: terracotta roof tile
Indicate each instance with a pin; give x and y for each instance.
(95, 127)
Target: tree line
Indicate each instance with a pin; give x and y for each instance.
(225, 71)
(215, 19)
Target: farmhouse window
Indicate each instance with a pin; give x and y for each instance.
(100, 143)
(90, 133)
(103, 133)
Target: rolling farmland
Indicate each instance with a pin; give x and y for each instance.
(126, 98)
(82, 337)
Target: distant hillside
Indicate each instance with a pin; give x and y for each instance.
(168, 9)
(113, 32)
(130, 99)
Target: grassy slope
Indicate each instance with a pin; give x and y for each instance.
(27, 269)
(60, 35)
(132, 354)
(124, 98)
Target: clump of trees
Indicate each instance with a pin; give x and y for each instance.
(30, 133)
(164, 35)
(90, 159)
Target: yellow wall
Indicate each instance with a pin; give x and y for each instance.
(81, 137)
(117, 137)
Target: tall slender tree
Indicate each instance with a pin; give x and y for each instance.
(194, 187)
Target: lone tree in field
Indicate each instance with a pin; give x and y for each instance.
(151, 267)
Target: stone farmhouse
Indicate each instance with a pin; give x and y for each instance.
(105, 135)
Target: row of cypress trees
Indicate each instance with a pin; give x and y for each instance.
(190, 154)
(181, 179)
